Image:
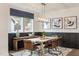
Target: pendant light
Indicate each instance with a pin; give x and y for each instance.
(42, 17)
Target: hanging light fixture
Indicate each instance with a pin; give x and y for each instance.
(42, 17)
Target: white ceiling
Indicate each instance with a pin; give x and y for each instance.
(36, 7)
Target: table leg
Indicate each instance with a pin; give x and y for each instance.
(42, 49)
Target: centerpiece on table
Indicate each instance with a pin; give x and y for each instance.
(44, 34)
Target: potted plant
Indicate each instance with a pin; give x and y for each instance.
(44, 34)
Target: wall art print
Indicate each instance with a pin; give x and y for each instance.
(70, 22)
(57, 23)
(46, 25)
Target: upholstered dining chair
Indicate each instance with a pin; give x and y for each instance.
(53, 46)
(31, 46)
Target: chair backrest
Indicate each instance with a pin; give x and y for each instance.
(55, 43)
(28, 44)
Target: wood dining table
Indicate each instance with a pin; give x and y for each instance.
(42, 40)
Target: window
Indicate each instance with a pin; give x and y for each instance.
(16, 22)
(21, 24)
(28, 25)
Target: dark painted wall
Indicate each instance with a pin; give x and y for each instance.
(70, 40)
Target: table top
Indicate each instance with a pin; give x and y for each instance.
(42, 39)
(25, 37)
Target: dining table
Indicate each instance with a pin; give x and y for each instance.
(42, 40)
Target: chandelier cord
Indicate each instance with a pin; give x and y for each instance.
(43, 9)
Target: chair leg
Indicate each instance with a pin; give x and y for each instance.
(49, 51)
(57, 49)
(31, 53)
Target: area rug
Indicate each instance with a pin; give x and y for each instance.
(64, 51)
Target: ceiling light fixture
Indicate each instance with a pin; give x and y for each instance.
(42, 17)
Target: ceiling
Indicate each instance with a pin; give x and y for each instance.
(36, 7)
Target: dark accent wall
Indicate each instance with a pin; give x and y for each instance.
(10, 40)
(70, 40)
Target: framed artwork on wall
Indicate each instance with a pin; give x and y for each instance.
(57, 23)
(70, 22)
(45, 25)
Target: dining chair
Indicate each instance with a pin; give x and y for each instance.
(31, 46)
(53, 46)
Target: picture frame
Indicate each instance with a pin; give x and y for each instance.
(70, 22)
(45, 25)
(57, 23)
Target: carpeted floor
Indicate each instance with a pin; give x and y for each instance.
(65, 51)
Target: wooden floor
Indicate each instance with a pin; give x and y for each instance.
(74, 52)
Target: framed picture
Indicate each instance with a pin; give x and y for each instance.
(70, 22)
(57, 23)
(46, 25)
